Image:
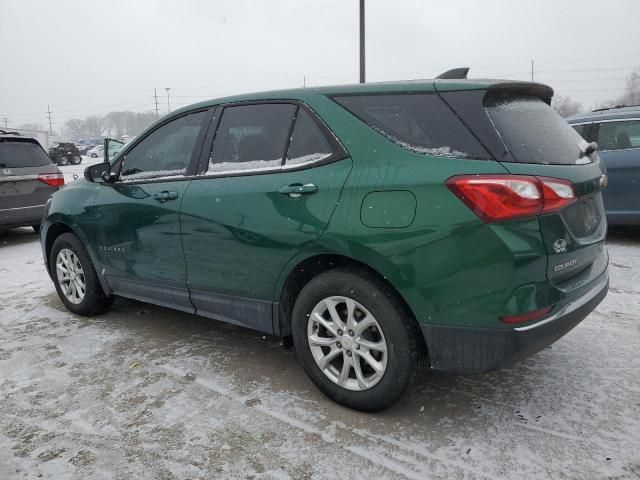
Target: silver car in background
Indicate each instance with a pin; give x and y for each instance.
(28, 177)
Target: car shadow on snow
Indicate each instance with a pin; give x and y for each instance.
(18, 236)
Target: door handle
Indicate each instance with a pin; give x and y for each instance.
(165, 196)
(296, 189)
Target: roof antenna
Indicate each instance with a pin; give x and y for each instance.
(454, 74)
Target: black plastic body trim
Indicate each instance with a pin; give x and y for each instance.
(476, 350)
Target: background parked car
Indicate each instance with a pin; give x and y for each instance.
(96, 151)
(83, 149)
(65, 154)
(27, 179)
(616, 130)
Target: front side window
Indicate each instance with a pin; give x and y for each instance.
(421, 123)
(166, 152)
(618, 135)
(251, 137)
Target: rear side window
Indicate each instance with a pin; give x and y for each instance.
(18, 154)
(617, 135)
(421, 123)
(308, 142)
(251, 137)
(533, 131)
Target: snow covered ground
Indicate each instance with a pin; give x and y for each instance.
(146, 392)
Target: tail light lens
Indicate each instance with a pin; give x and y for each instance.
(495, 198)
(52, 179)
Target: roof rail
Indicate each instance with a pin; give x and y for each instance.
(611, 108)
(454, 74)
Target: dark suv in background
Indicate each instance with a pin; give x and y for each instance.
(616, 130)
(27, 180)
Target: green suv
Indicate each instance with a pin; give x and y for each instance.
(380, 227)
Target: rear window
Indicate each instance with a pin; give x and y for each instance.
(18, 154)
(421, 123)
(533, 131)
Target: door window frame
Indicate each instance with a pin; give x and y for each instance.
(195, 154)
(339, 152)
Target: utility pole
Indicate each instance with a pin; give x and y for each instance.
(304, 81)
(532, 70)
(168, 102)
(6, 122)
(155, 96)
(49, 114)
(362, 66)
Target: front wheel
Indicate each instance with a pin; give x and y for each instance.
(75, 277)
(355, 339)
(77, 159)
(63, 161)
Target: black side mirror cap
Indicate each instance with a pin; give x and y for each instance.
(99, 173)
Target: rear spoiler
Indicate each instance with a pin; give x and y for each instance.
(543, 92)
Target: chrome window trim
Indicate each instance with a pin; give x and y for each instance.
(595, 120)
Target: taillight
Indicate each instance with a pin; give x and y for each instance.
(495, 198)
(52, 179)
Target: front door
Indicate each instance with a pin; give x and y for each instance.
(262, 199)
(137, 225)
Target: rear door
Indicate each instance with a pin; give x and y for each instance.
(136, 227)
(268, 187)
(543, 144)
(619, 145)
(22, 195)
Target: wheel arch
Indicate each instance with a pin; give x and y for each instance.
(310, 267)
(59, 227)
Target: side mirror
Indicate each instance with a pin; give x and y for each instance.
(100, 173)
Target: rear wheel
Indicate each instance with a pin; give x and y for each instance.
(63, 161)
(77, 159)
(355, 340)
(75, 277)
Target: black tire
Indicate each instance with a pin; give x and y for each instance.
(94, 301)
(77, 160)
(397, 324)
(63, 161)
(36, 228)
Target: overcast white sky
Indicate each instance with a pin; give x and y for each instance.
(83, 57)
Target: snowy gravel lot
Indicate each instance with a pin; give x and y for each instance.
(146, 392)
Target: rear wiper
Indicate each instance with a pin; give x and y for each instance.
(591, 148)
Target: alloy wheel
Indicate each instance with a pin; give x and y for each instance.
(347, 343)
(70, 276)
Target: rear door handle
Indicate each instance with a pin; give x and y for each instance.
(165, 196)
(296, 189)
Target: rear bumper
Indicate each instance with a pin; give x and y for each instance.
(474, 350)
(21, 217)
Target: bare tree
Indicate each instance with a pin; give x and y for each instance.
(94, 125)
(632, 91)
(75, 127)
(565, 106)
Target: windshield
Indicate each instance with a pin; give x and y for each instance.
(534, 132)
(18, 154)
